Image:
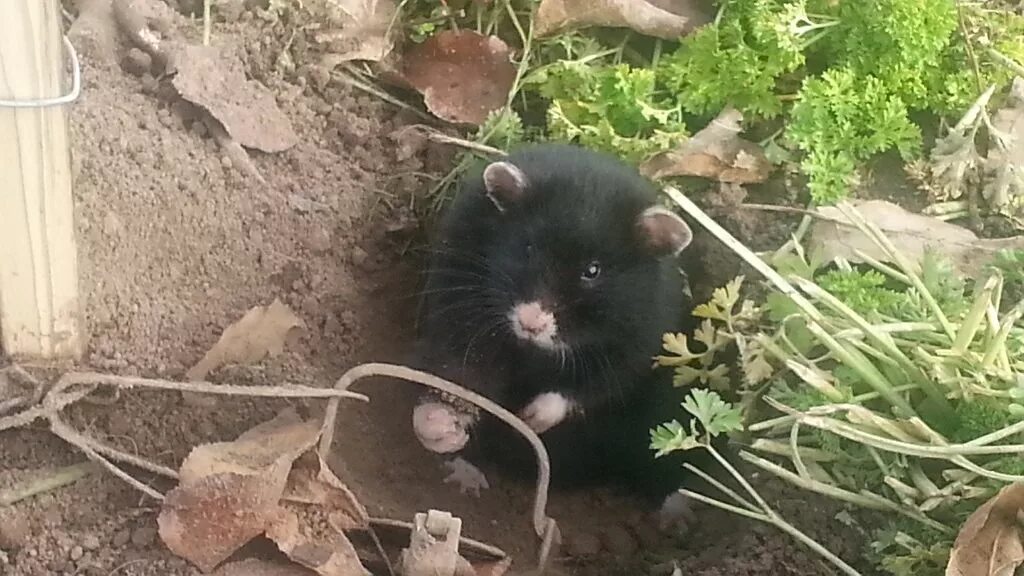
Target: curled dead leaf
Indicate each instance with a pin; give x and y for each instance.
(990, 541)
(912, 234)
(355, 29)
(716, 152)
(463, 75)
(1004, 165)
(215, 80)
(667, 19)
(228, 492)
(312, 482)
(261, 332)
(307, 538)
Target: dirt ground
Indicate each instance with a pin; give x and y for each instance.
(176, 243)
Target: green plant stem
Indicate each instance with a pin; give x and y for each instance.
(726, 506)
(781, 524)
(1005, 60)
(951, 453)
(881, 339)
(972, 322)
(848, 356)
(864, 499)
(720, 486)
(784, 449)
(526, 37)
(767, 514)
(999, 341)
(883, 242)
(883, 268)
(854, 359)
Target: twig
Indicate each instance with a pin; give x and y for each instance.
(441, 138)
(349, 78)
(207, 22)
(544, 526)
(75, 386)
(63, 477)
(1005, 60)
(239, 157)
(787, 210)
(763, 513)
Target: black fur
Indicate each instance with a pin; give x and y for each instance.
(580, 206)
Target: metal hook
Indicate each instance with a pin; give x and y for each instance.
(76, 86)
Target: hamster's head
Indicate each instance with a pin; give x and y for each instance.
(577, 251)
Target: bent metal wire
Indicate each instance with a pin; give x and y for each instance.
(76, 86)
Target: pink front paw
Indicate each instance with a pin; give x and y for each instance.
(439, 428)
(547, 411)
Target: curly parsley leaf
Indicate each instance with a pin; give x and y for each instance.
(612, 108)
(841, 120)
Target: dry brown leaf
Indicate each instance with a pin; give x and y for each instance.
(463, 75)
(989, 543)
(312, 482)
(355, 29)
(261, 332)
(1005, 162)
(911, 233)
(228, 492)
(716, 152)
(215, 80)
(305, 535)
(667, 19)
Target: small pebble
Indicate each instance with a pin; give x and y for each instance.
(144, 535)
(225, 162)
(619, 541)
(76, 553)
(583, 545)
(91, 542)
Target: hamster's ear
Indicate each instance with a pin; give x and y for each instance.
(505, 184)
(662, 231)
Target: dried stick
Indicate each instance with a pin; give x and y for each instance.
(544, 526)
(62, 477)
(75, 386)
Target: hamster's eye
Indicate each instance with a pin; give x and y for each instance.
(592, 271)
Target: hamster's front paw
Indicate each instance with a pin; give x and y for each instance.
(546, 411)
(676, 515)
(469, 478)
(439, 427)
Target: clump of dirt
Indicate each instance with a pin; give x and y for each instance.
(176, 242)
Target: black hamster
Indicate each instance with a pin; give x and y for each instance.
(550, 286)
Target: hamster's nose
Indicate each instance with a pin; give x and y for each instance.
(533, 320)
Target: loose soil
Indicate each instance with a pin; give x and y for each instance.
(176, 243)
